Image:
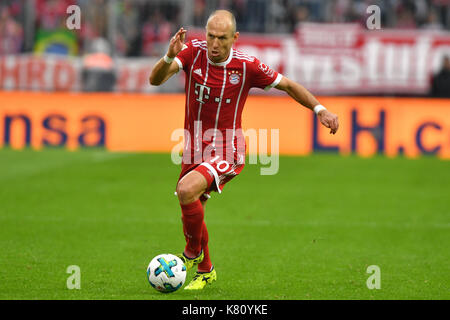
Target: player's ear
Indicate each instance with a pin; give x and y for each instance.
(236, 36)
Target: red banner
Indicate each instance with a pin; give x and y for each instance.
(338, 59)
(334, 59)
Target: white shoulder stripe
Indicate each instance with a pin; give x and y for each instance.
(244, 56)
(199, 46)
(241, 53)
(199, 43)
(246, 59)
(195, 44)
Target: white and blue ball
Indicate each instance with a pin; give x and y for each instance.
(166, 273)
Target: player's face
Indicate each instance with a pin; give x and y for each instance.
(219, 38)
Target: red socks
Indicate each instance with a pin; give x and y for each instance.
(205, 265)
(192, 215)
(195, 232)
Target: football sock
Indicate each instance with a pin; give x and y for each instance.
(205, 265)
(192, 216)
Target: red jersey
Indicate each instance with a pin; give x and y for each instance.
(215, 97)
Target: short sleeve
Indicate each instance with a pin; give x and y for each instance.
(262, 76)
(184, 58)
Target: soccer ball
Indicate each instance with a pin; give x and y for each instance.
(166, 273)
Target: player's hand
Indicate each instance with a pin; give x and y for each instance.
(329, 120)
(176, 43)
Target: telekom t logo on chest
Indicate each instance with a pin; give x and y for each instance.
(200, 92)
(203, 95)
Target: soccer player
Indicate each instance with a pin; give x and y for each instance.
(218, 79)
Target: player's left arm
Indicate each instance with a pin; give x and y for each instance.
(305, 98)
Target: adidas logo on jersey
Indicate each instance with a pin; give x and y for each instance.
(199, 72)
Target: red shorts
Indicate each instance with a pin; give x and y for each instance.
(217, 172)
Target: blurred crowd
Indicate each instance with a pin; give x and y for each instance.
(143, 27)
(132, 27)
(286, 15)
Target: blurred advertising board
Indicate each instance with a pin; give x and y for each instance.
(328, 59)
(408, 127)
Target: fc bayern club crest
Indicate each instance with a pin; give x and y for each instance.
(235, 77)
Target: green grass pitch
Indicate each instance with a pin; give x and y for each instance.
(308, 232)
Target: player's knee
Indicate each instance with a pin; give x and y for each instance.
(187, 193)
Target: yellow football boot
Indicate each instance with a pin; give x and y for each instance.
(201, 279)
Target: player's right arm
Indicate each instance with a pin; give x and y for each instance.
(163, 70)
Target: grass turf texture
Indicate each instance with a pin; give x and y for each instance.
(309, 232)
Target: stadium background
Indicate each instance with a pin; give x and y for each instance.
(77, 116)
